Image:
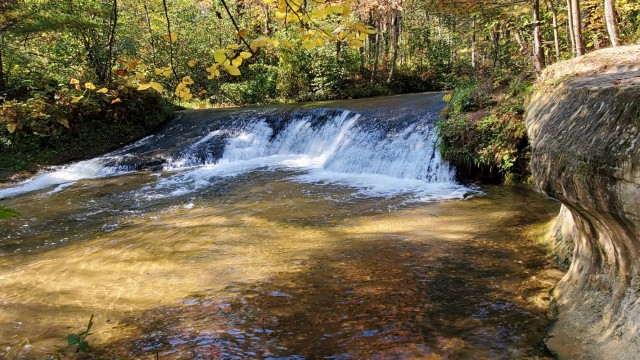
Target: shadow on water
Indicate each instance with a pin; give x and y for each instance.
(395, 286)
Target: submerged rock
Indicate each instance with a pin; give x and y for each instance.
(584, 133)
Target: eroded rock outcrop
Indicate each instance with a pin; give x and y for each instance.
(585, 134)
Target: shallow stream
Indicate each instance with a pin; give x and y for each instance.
(251, 253)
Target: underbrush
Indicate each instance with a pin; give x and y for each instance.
(49, 126)
(483, 132)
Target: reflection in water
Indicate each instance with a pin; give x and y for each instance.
(259, 266)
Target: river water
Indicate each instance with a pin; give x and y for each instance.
(334, 231)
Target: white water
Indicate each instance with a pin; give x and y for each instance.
(344, 150)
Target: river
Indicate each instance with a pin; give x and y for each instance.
(331, 230)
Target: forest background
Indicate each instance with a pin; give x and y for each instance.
(80, 77)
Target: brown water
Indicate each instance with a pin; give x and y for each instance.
(261, 266)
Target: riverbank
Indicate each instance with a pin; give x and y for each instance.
(39, 130)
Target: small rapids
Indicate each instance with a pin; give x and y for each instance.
(377, 157)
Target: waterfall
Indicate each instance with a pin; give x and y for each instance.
(376, 156)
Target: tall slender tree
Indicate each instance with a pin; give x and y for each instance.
(610, 18)
(576, 18)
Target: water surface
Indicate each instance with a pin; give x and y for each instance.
(276, 233)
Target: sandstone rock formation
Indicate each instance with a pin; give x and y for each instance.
(584, 126)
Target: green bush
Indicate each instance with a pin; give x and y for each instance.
(50, 127)
(486, 141)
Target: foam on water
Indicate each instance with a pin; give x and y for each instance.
(344, 149)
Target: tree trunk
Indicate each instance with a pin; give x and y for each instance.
(473, 41)
(577, 27)
(538, 57)
(395, 35)
(570, 34)
(554, 18)
(112, 38)
(3, 84)
(377, 54)
(154, 56)
(610, 17)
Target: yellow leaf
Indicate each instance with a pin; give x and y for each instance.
(232, 70)
(212, 68)
(157, 71)
(64, 122)
(11, 127)
(245, 54)
(219, 56)
(156, 86)
(318, 41)
(202, 92)
(103, 91)
(187, 80)
(286, 44)
(116, 100)
(77, 86)
(173, 37)
(233, 46)
(244, 32)
(144, 86)
(192, 63)
(308, 44)
(89, 86)
(74, 81)
(167, 71)
(356, 43)
(346, 8)
(202, 106)
(75, 99)
(368, 30)
(237, 61)
(139, 76)
(132, 64)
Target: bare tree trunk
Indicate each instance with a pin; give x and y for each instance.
(377, 55)
(361, 52)
(267, 20)
(556, 39)
(151, 41)
(112, 37)
(395, 35)
(570, 29)
(538, 56)
(610, 17)
(473, 41)
(577, 27)
(3, 84)
(166, 14)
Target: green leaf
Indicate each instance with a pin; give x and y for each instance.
(73, 339)
(84, 346)
(7, 213)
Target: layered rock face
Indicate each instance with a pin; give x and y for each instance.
(585, 134)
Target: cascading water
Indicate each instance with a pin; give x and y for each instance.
(375, 157)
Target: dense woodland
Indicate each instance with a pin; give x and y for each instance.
(74, 75)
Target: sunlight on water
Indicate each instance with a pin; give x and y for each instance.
(365, 275)
(264, 233)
